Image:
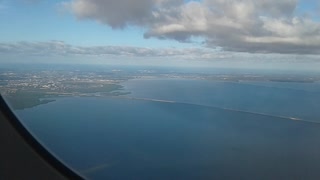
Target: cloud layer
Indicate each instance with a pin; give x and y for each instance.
(60, 48)
(268, 26)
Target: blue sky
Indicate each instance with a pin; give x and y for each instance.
(186, 32)
(45, 20)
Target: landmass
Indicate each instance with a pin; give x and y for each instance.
(26, 87)
(293, 80)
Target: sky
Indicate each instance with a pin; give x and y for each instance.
(242, 33)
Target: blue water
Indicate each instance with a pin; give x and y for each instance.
(120, 138)
(298, 100)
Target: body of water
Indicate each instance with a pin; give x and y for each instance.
(185, 129)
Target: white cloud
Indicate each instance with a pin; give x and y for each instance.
(268, 26)
(56, 50)
(59, 48)
(117, 13)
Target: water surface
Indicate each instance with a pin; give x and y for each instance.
(190, 138)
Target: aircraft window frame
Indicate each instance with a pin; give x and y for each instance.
(39, 149)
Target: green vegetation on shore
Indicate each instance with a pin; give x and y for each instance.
(23, 99)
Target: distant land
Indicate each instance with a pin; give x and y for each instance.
(293, 80)
(35, 85)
